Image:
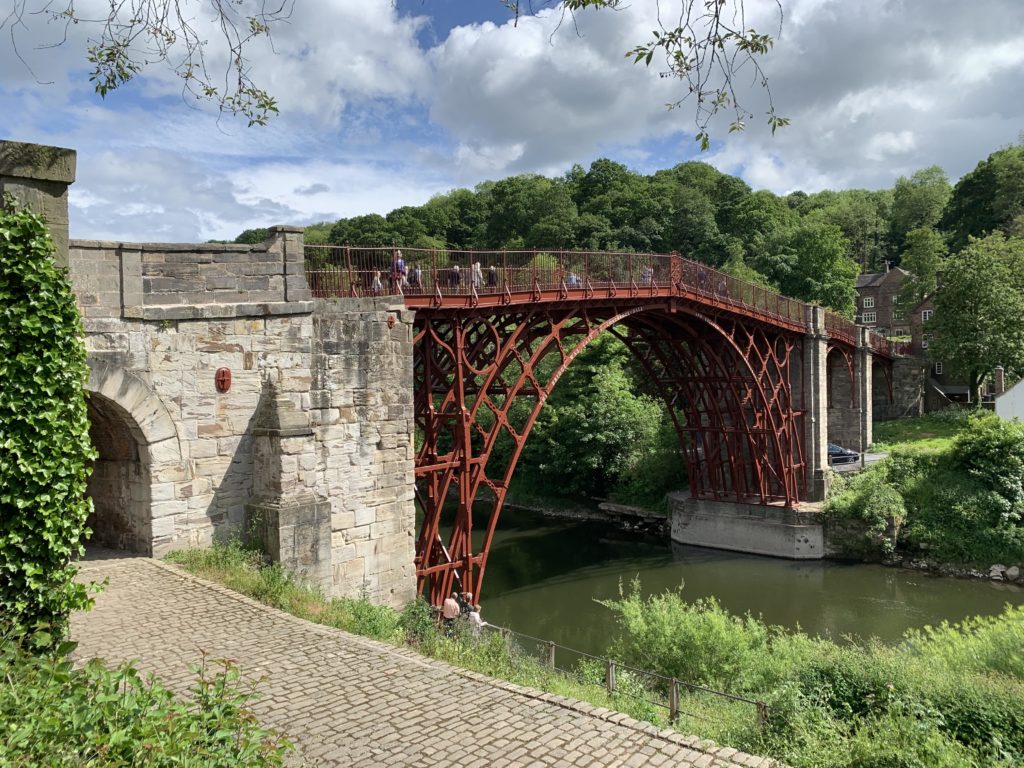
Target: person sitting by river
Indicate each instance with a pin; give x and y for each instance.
(451, 609)
(476, 623)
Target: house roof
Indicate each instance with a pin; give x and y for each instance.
(871, 279)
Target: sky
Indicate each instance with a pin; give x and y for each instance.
(385, 103)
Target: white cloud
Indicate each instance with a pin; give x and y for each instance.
(883, 145)
(528, 96)
(370, 120)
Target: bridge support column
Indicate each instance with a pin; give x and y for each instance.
(38, 177)
(289, 521)
(814, 390)
(864, 388)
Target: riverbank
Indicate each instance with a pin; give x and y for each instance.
(623, 517)
(656, 527)
(944, 697)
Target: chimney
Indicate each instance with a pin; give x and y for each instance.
(998, 381)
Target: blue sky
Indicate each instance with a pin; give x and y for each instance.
(386, 104)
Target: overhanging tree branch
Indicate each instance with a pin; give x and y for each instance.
(706, 46)
(135, 34)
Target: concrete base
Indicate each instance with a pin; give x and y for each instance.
(788, 532)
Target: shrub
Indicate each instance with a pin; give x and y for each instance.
(865, 513)
(700, 642)
(992, 452)
(52, 714)
(44, 429)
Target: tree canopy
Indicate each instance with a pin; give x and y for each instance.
(977, 324)
(988, 199)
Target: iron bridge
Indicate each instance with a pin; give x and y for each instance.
(495, 330)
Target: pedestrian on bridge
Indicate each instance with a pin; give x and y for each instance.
(478, 276)
(398, 272)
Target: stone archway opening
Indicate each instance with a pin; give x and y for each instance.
(119, 485)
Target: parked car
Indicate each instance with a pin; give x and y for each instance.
(839, 455)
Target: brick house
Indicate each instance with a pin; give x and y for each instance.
(943, 388)
(878, 295)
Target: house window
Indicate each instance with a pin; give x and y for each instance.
(868, 317)
(895, 299)
(869, 302)
(926, 315)
(938, 369)
(924, 343)
(901, 332)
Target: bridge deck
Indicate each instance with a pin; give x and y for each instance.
(345, 700)
(448, 280)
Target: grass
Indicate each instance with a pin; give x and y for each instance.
(934, 431)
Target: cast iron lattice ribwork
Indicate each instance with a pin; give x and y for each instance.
(482, 378)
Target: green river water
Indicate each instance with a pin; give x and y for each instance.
(544, 577)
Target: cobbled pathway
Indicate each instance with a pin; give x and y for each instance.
(349, 701)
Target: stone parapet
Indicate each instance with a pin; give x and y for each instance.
(175, 281)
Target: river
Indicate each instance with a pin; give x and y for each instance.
(544, 577)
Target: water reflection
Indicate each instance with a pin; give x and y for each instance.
(545, 577)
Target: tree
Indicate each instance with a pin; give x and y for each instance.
(990, 198)
(863, 218)
(977, 323)
(44, 431)
(252, 236)
(594, 428)
(917, 202)
(369, 230)
(924, 252)
(820, 269)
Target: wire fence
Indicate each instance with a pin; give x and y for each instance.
(659, 691)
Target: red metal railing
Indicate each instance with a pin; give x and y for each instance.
(433, 275)
(882, 345)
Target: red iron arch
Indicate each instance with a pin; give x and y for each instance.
(727, 386)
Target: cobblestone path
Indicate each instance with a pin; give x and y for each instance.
(346, 700)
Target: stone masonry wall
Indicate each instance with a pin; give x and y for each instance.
(343, 367)
(319, 404)
(363, 416)
(843, 413)
(909, 379)
(170, 281)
